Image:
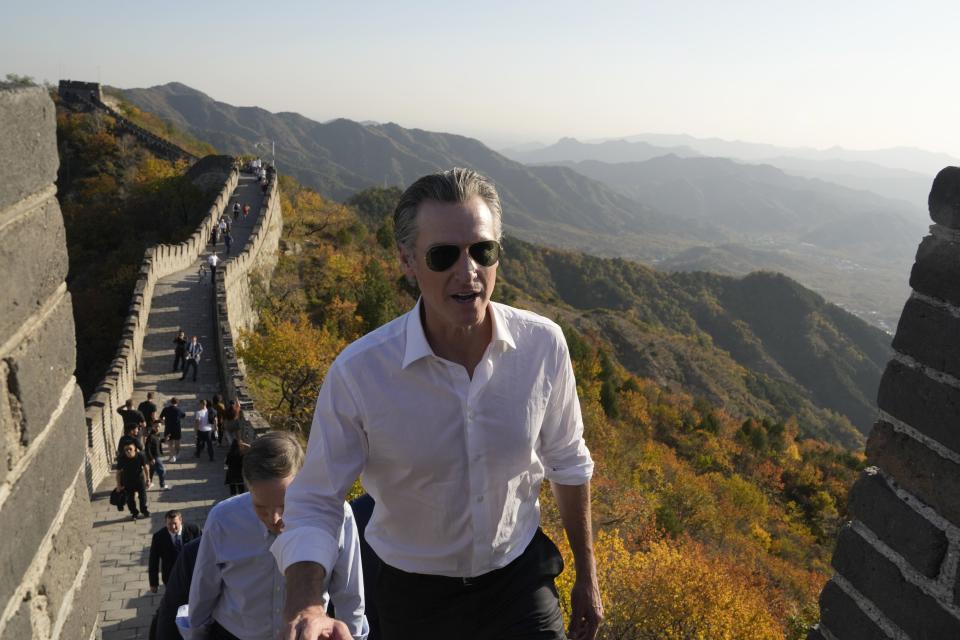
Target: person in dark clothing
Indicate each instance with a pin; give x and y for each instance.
(133, 477)
(129, 414)
(166, 545)
(235, 466)
(131, 435)
(194, 350)
(362, 510)
(148, 410)
(172, 416)
(176, 592)
(217, 405)
(153, 453)
(180, 351)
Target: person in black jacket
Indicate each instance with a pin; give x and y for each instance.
(176, 592)
(166, 546)
(153, 452)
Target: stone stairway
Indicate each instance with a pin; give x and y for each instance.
(184, 301)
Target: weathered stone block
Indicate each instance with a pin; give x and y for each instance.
(904, 530)
(86, 604)
(844, 619)
(33, 261)
(931, 407)
(918, 614)
(35, 497)
(42, 365)
(917, 468)
(944, 199)
(69, 543)
(929, 335)
(937, 269)
(20, 625)
(28, 143)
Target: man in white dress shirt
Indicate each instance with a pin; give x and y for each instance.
(452, 414)
(237, 590)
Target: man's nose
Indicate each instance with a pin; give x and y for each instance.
(465, 266)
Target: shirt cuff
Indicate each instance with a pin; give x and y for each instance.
(574, 476)
(305, 544)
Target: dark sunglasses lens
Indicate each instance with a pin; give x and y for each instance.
(442, 257)
(486, 253)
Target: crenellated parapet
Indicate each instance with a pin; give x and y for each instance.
(898, 562)
(104, 425)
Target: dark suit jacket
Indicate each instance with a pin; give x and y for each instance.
(175, 593)
(163, 554)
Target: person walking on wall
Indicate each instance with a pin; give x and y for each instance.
(166, 545)
(148, 409)
(234, 463)
(204, 429)
(172, 416)
(179, 351)
(212, 261)
(133, 477)
(228, 241)
(194, 350)
(153, 452)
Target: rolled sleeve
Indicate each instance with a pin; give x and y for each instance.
(336, 455)
(561, 446)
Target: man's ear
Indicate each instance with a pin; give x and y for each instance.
(407, 263)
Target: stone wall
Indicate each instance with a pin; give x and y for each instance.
(104, 425)
(49, 580)
(898, 562)
(90, 95)
(234, 307)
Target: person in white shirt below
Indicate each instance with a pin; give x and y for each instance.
(213, 260)
(204, 428)
(237, 590)
(453, 413)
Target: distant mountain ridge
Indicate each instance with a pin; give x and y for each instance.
(341, 157)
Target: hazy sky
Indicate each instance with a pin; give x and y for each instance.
(850, 73)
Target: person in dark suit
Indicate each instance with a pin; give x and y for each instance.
(166, 546)
(175, 593)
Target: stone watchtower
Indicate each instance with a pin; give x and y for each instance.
(76, 91)
(898, 562)
(49, 576)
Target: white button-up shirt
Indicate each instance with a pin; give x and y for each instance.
(454, 463)
(236, 581)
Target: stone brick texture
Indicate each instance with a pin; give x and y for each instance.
(919, 470)
(33, 261)
(936, 271)
(930, 335)
(944, 199)
(928, 406)
(840, 614)
(874, 503)
(28, 143)
(882, 582)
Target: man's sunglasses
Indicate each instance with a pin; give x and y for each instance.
(443, 256)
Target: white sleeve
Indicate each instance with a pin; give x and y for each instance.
(346, 582)
(561, 447)
(336, 455)
(206, 584)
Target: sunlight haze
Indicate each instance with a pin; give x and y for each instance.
(859, 75)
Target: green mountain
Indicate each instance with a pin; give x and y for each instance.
(760, 345)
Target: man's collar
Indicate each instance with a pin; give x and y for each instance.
(417, 346)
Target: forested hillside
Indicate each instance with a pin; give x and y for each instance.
(117, 199)
(714, 519)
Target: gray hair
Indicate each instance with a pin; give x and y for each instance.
(454, 185)
(272, 456)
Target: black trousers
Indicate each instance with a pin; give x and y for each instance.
(205, 439)
(179, 360)
(186, 369)
(135, 493)
(517, 602)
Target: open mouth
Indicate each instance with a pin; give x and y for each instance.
(466, 298)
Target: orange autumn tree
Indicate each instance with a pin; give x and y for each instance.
(291, 357)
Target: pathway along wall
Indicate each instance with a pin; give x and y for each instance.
(898, 562)
(104, 425)
(234, 305)
(49, 581)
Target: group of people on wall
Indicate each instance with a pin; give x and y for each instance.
(452, 415)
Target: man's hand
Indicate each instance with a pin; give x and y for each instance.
(313, 623)
(586, 610)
